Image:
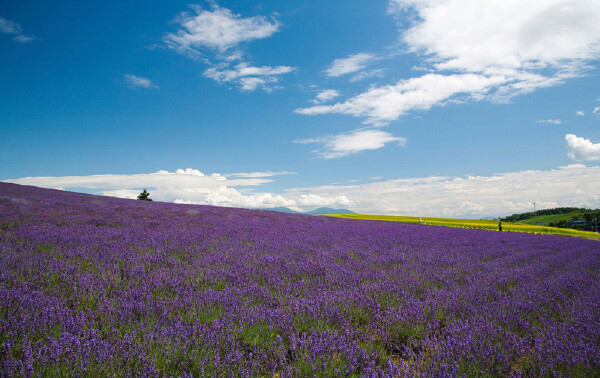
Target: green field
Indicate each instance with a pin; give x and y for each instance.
(476, 223)
(544, 220)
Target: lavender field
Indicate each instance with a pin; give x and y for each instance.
(94, 285)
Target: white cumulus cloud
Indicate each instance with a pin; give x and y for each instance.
(463, 196)
(579, 113)
(471, 196)
(336, 146)
(581, 149)
(534, 43)
(481, 49)
(217, 33)
(190, 186)
(219, 29)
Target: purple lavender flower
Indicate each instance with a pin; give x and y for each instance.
(102, 286)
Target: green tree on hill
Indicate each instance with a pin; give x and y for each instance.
(144, 196)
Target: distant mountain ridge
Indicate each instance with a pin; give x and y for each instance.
(319, 211)
(329, 210)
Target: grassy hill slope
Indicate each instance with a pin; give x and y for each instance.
(545, 220)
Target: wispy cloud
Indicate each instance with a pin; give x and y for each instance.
(367, 75)
(596, 110)
(551, 121)
(580, 113)
(139, 82)
(581, 149)
(216, 34)
(249, 77)
(350, 64)
(381, 105)
(326, 95)
(336, 146)
(14, 29)
(243, 69)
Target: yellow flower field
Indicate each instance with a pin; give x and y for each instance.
(476, 223)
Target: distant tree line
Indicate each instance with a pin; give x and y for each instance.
(531, 214)
(587, 219)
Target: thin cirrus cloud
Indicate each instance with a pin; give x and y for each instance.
(139, 82)
(352, 63)
(367, 75)
(581, 149)
(14, 29)
(337, 146)
(217, 33)
(550, 121)
(510, 47)
(259, 174)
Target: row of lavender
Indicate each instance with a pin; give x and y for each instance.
(100, 286)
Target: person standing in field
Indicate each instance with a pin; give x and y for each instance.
(499, 225)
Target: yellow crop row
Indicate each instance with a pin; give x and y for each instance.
(475, 223)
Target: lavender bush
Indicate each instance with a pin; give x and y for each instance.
(101, 286)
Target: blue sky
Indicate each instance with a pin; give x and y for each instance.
(433, 107)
